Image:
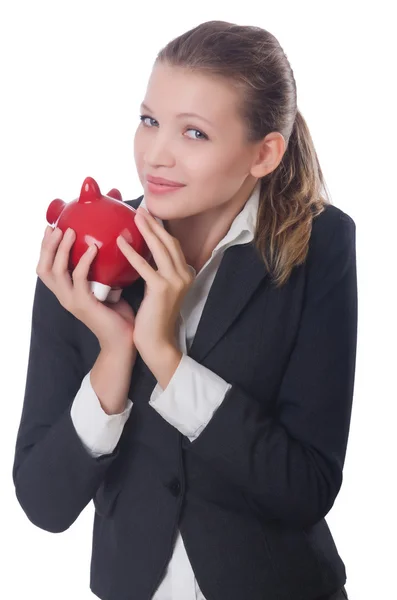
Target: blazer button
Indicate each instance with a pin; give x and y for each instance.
(175, 487)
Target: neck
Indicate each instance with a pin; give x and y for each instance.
(199, 234)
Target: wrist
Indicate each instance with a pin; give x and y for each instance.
(121, 346)
(111, 377)
(164, 364)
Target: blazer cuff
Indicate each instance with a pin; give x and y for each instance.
(98, 431)
(191, 397)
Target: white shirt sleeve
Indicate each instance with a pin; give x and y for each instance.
(191, 397)
(98, 431)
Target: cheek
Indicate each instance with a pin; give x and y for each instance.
(216, 170)
(220, 179)
(138, 158)
(205, 165)
(139, 142)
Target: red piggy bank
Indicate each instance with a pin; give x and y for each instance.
(101, 219)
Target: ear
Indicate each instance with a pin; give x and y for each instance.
(269, 154)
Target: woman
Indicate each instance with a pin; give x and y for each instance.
(207, 412)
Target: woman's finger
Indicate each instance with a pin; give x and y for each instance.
(137, 261)
(80, 272)
(61, 261)
(156, 246)
(49, 247)
(60, 266)
(172, 244)
(47, 231)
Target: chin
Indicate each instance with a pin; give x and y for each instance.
(153, 205)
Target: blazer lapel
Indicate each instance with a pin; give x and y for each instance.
(240, 273)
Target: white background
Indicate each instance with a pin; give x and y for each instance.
(72, 77)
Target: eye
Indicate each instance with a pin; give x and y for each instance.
(200, 132)
(144, 117)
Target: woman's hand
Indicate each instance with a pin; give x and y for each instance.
(165, 288)
(113, 324)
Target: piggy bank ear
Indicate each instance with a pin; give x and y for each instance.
(115, 194)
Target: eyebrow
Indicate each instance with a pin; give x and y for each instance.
(184, 114)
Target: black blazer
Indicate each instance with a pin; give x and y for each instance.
(251, 492)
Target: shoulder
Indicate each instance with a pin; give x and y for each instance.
(332, 250)
(332, 227)
(333, 233)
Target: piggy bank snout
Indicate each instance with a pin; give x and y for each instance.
(54, 210)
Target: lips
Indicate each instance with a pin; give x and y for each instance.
(162, 181)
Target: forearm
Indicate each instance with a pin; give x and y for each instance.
(111, 376)
(57, 477)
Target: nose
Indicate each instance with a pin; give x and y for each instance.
(158, 151)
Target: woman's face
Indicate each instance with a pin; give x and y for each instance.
(208, 152)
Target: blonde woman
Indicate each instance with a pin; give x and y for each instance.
(206, 413)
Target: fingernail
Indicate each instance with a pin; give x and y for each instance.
(69, 233)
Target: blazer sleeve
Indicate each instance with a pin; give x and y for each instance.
(54, 475)
(289, 465)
